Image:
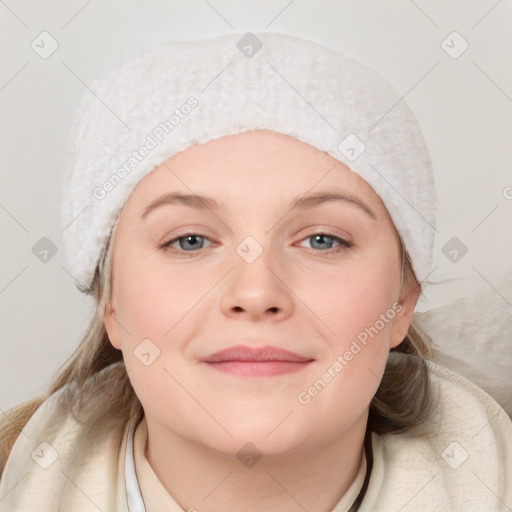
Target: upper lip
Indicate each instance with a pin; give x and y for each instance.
(259, 354)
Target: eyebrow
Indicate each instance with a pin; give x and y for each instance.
(201, 202)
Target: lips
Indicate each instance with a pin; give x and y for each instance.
(244, 361)
(244, 353)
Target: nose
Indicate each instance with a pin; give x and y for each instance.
(258, 289)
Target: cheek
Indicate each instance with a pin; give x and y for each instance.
(357, 310)
(151, 298)
(352, 298)
(355, 305)
(151, 309)
(145, 310)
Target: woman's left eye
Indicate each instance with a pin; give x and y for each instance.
(320, 238)
(191, 239)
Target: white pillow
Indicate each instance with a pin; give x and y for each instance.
(473, 337)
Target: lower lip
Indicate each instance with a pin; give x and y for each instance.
(259, 369)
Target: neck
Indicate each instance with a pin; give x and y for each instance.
(202, 478)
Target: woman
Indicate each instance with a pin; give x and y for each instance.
(235, 361)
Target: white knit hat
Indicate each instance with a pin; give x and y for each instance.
(177, 93)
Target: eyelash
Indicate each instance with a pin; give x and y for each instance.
(344, 244)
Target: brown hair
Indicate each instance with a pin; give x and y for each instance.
(401, 404)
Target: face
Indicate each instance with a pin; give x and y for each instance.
(315, 279)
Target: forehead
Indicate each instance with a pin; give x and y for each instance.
(253, 163)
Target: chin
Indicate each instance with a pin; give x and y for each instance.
(271, 435)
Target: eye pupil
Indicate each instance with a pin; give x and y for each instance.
(319, 238)
(189, 239)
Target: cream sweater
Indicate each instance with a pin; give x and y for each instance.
(58, 464)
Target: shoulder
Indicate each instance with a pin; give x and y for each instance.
(464, 463)
(459, 399)
(55, 452)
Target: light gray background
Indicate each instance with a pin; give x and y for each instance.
(463, 104)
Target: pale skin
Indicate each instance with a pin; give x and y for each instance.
(200, 296)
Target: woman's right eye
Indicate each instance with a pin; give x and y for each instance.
(189, 238)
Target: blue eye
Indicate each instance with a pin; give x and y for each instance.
(191, 240)
(320, 238)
